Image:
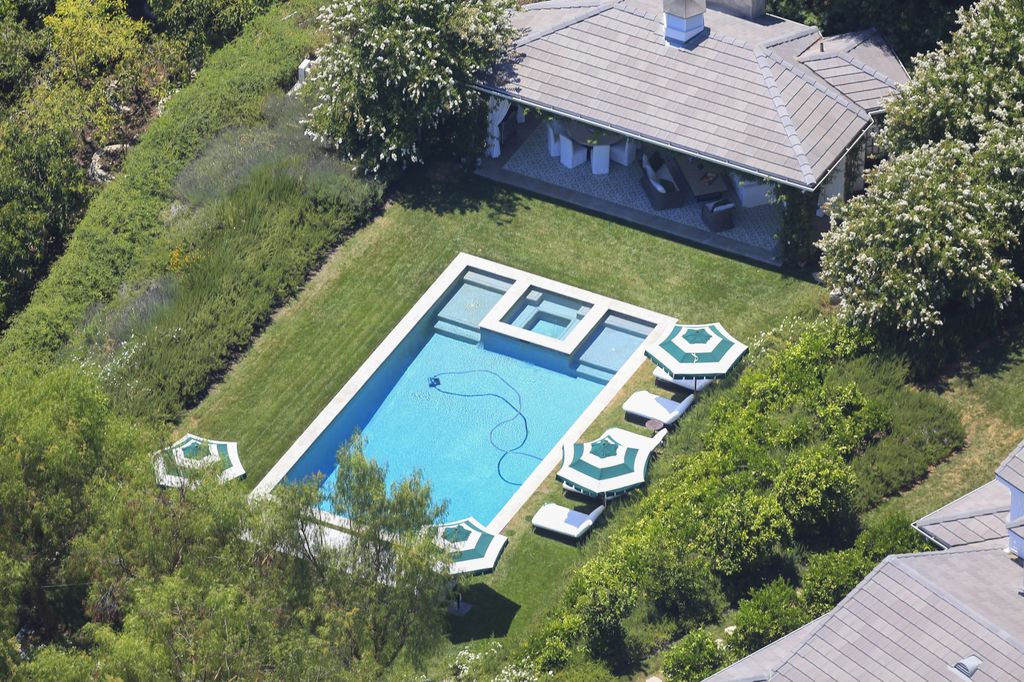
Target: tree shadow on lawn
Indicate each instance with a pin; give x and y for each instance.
(991, 357)
(449, 188)
(491, 616)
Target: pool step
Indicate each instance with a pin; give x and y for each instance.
(487, 281)
(626, 324)
(594, 371)
(457, 331)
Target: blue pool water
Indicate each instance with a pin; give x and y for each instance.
(487, 419)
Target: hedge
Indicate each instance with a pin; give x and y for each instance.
(126, 215)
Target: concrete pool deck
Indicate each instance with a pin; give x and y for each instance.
(521, 280)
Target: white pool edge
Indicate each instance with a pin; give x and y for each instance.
(462, 262)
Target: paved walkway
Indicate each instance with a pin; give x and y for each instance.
(525, 164)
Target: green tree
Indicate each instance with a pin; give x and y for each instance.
(393, 84)
(56, 435)
(967, 85)
(204, 25)
(211, 585)
(910, 27)
(20, 49)
(390, 564)
(771, 612)
(694, 657)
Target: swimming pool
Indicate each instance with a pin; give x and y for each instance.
(476, 393)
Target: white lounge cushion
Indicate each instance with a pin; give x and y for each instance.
(688, 384)
(563, 521)
(648, 406)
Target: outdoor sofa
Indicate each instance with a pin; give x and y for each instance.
(662, 181)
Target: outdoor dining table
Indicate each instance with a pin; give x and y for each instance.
(599, 141)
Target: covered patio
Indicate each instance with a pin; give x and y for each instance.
(527, 163)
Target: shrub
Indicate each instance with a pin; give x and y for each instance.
(931, 248)
(771, 612)
(829, 577)
(204, 25)
(397, 72)
(815, 489)
(694, 657)
(890, 533)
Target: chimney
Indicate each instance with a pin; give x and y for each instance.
(748, 9)
(684, 19)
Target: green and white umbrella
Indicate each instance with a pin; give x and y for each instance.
(474, 550)
(696, 351)
(174, 465)
(603, 467)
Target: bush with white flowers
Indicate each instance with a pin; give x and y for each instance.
(970, 83)
(934, 241)
(394, 82)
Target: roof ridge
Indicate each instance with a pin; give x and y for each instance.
(820, 84)
(795, 143)
(966, 515)
(853, 61)
(1018, 451)
(582, 16)
(789, 37)
(953, 601)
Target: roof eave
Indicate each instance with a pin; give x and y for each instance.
(782, 180)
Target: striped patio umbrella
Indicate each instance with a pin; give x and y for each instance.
(191, 453)
(474, 550)
(604, 467)
(697, 351)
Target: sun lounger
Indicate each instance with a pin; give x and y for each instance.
(555, 518)
(648, 406)
(688, 384)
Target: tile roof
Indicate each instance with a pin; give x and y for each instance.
(1011, 471)
(979, 516)
(860, 65)
(910, 619)
(726, 95)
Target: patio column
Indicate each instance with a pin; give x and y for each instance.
(496, 110)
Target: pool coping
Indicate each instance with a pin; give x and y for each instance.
(459, 265)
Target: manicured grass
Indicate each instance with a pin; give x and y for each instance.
(986, 389)
(318, 341)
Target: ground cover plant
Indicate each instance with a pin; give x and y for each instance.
(251, 217)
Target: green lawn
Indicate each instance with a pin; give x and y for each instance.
(986, 389)
(316, 343)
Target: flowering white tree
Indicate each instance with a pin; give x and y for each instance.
(935, 239)
(973, 81)
(395, 79)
